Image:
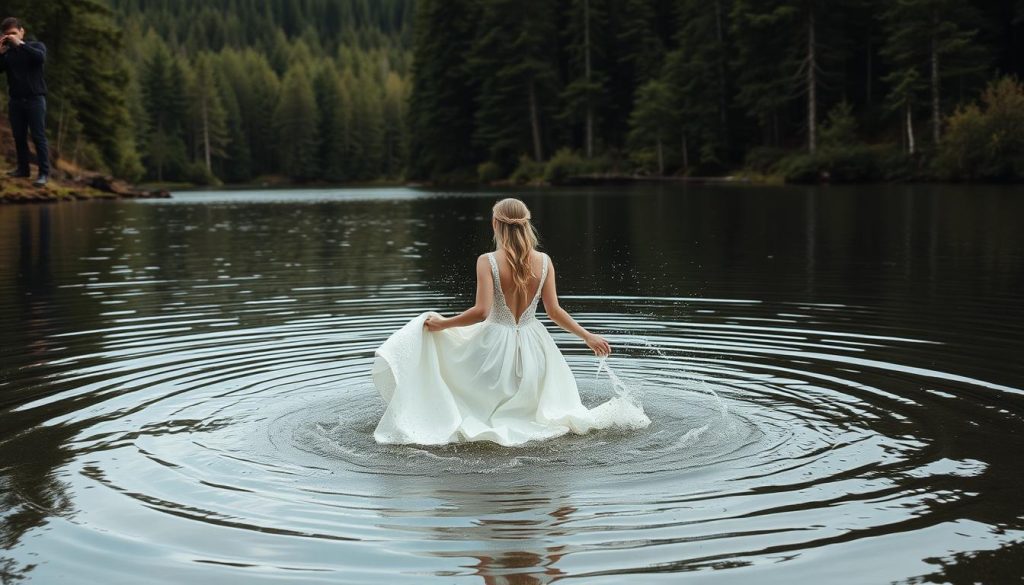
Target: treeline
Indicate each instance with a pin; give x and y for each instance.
(327, 24)
(228, 90)
(852, 89)
(343, 90)
(236, 89)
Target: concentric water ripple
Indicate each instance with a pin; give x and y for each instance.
(187, 398)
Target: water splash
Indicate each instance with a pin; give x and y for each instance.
(622, 389)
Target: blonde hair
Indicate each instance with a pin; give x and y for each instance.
(516, 236)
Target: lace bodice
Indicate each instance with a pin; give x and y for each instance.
(500, 311)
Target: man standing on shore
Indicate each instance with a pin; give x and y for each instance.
(23, 61)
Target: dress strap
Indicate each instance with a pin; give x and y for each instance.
(543, 276)
(494, 273)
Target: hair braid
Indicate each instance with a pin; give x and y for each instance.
(517, 237)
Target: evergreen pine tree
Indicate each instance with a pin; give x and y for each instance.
(295, 121)
(696, 73)
(929, 40)
(162, 85)
(585, 94)
(208, 114)
(334, 129)
(513, 59)
(442, 104)
(653, 119)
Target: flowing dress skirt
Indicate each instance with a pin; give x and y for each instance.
(484, 382)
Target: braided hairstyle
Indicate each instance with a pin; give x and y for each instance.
(515, 235)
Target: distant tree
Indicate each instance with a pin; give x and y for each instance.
(296, 122)
(442, 105)
(906, 86)
(236, 165)
(259, 96)
(696, 73)
(636, 50)
(208, 114)
(335, 123)
(641, 49)
(932, 40)
(367, 146)
(395, 138)
(587, 43)
(789, 49)
(513, 59)
(765, 61)
(163, 97)
(653, 119)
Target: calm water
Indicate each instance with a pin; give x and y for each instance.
(186, 397)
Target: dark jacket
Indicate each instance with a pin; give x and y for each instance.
(24, 67)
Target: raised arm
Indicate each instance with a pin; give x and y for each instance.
(36, 50)
(563, 319)
(476, 313)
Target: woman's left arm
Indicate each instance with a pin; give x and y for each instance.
(476, 313)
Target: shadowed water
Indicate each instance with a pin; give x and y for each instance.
(834, 379)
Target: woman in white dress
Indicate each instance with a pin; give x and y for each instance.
(492, 372)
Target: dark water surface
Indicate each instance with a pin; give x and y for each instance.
(185, 393)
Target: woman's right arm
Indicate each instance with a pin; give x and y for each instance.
(476, 313)
(563, 319)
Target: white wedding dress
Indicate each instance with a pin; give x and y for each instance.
(498, 380)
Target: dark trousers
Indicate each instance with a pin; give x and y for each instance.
(30, 114)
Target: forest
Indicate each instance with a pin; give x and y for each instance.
(534, 90)
(227, 90)
(851, 90)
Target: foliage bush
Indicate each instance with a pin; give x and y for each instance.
(840, 129)
(840, 157)
(765, 159)
(129, 166)
(197, 174)
(88, 156)
(708, 163)
(850, 164)
(488, 171)
(528, 171)
(986, 142)
(643, 161)
(565, 164)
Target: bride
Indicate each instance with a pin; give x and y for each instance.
(492, 372)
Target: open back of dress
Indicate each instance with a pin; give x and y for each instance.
(498, 380)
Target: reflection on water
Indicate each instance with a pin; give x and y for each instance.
(833, 375)
(501, 536)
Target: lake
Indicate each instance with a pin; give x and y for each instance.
(834, 377)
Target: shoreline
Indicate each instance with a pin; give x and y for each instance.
(278, 184)
(105, 188)
(94, 188)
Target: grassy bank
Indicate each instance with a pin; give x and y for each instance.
(93, 188)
